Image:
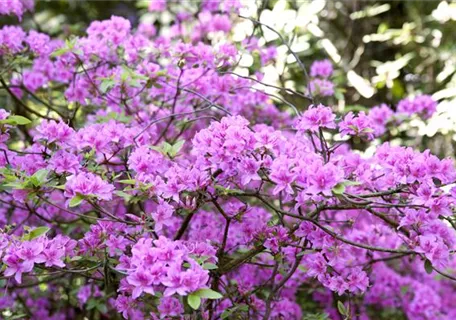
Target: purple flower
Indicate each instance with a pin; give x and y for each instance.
(324, 178)
(124, 305)
(116, 245)
(38, 42)
(16, 7)
(11, 37)
(248, 169)
(142, 281)
(321, 68)
(338, 284)
(170, 307)
(162, 215)
(16, 266)
(321, 87)
(53, 131)
(315, 118)
(380, 115)
(64, 162)
(157, 5)
(30, 251)
(52, 255)
(357, 280)
(88, 184)
(283, 175)
(359, 125)
(423, 105)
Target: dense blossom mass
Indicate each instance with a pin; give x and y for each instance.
(142, 176)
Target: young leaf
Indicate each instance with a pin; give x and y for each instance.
(20, 120)
(428, 266)
(166, 147)
(106, 84)
(76, 201)
(15, 120)
(127, 181)
(40, 177)
(194, 301)
(228, 312)
(207, 294)
(76, 258)
(348, 183)
(127, 197)
(225, 191)
(209, 266)
(339, 188)
(341, 308)
(102, 307)
(59, 52)
(35, 233)
(176, 148)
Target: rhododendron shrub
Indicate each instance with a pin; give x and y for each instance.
(143, 178)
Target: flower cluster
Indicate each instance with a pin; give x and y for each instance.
(164, 264)
(423, 105)
(141, 175)
(20, 257)
(320, 85)
(16, 7)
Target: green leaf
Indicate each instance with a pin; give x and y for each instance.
(194, 301)
(166, 148)
(428, 266)
(59, 52)
(35, 233)
(316, 316)
(243, 307)
(76, 201)
(142, 4)
(19, 120)
(127, 197)
(106, 84)
(176, 148)
(39, 177)
(91, 304)
(341, 307)
(169, 150)
(209, 266)
(120, 117)
(226, 191)
(70, 44)
(15, 120)
(76, 258)
(338, 188)
(339, 95)
(207, 294)
(15, 185)
(348, 183)
(228, 312)
(102, 307)
(128, 181)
